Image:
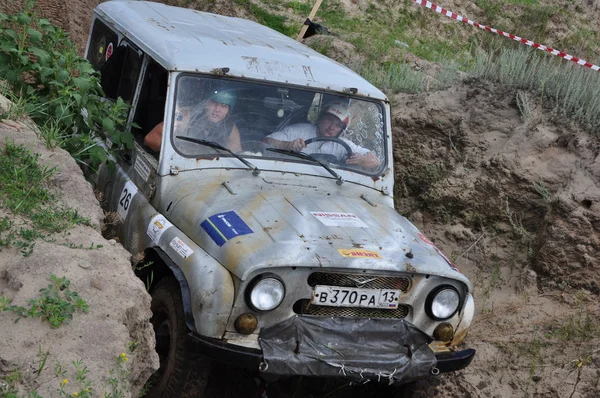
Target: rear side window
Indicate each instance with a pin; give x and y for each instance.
(103, 43)
(119, 75)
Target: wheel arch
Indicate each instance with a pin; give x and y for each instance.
(161, 267)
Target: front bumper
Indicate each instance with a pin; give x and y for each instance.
(339, 347)
(356, 348)
(455, 360)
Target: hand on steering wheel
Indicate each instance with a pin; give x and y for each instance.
(332, 139)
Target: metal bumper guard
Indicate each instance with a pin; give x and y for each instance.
(356, 348)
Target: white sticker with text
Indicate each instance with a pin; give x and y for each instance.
(339, 219)
(158, 225)
(181, 248)
(125, 199)
(142, 168)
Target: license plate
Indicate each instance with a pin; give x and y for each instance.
(336, 296)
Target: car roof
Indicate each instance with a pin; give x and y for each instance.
(182, 39)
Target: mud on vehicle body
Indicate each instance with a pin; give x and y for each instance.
(283, 262)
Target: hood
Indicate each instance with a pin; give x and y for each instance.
(251, 223)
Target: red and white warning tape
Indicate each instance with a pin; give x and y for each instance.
(552, 51)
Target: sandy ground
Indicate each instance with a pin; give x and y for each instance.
(515, 202)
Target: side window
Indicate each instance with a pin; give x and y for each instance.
(102, 44)
(119, 75)
(130, 75)
(150, 108)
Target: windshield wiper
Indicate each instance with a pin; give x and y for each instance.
(305, 156)
(211, 144)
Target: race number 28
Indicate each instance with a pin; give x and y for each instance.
(125, 199)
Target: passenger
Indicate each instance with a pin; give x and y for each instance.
(210, 122)
(333, 121)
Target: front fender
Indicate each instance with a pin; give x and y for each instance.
(211, 287)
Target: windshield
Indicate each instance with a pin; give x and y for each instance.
(248, 118)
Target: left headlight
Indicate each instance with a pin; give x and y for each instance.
(265, 293)
(442, 303)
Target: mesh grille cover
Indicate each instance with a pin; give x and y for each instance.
(352, 312)
(362, 281)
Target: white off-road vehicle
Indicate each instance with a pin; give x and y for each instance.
(264, 206)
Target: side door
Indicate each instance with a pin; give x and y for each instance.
(120, 68)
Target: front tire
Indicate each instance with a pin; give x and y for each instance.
(181, 373)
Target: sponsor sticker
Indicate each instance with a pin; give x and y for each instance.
(158, 225)
(142, 168)
(223, 227)
(339, 219)
(127, 194)
(359, 253)
(109, 50)
(181, 248)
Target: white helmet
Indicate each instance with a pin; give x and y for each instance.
(339, 110)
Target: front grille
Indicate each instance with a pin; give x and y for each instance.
(304, 307)
(356, 280)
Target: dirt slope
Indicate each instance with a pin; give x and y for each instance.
(119, 307)
(517, 204)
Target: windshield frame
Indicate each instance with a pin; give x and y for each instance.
(379, 104)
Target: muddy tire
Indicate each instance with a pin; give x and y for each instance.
(181, 373)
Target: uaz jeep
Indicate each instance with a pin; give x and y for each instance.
(284, 257)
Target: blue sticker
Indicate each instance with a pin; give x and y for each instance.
(222, 227)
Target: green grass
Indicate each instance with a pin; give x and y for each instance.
(322, 46)
(24, 191)
(10, 382)
(273, 21)
(532, 23)
(374, 32)
(491, 9)
(581, 42)
(302, 8)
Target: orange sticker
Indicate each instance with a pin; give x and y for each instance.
(359, 253)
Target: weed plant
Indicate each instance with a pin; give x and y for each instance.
(56, 305)
(58, 89)
(73, 381)
(571, 89)
(393, 78)
(582, 326)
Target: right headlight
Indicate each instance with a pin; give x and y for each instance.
(265, 293)
(442, 303)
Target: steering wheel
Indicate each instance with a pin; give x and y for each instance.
(328, 157)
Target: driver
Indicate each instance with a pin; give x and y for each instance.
(332, 122)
